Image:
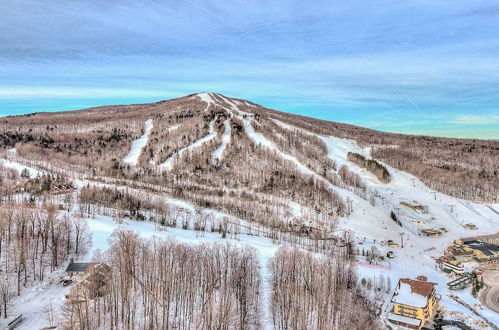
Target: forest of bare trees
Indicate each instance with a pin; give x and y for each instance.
(163, 284)
(317, 292)
(35, 241)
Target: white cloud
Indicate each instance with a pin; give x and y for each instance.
(475, 120)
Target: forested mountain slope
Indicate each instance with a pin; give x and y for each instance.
(244, 145)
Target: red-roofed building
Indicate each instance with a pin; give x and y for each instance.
(414, 302)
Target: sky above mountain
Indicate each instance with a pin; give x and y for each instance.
(423, 67)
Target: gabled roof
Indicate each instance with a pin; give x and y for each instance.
(78, 266)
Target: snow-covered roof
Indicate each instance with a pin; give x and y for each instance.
(412, 292)
(404, 319)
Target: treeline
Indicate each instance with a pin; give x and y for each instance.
(35, 241)
(311, 231)
(46, 183)
(117, 199)
(9, 139)
(350, 178)
(163, 284)
(12, 182)
(371, 165)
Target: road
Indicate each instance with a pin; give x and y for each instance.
(490, 296)
(459, 300)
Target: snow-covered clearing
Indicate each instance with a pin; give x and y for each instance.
(39, 303)
(225, 139)
(167, 164)
(206, 97)
(138, 145)
(33, 172)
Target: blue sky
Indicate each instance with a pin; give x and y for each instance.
(424, 67)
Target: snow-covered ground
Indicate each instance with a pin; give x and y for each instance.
(138, 145)
(206, 97)
(39, 304)
(33, 172)
(419, 252)
(225, 139)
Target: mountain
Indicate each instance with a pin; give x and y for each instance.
(230, 130)
(208, 168)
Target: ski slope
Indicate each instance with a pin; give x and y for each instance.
(226, 136)
(138, 145)
(206, 97)
(368, 224)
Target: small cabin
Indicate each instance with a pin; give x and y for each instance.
(79, 268)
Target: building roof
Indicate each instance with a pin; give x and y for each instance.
(78, 266)
(413, 292)
(404, 319)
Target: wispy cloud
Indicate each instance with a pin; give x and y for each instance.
(390, 63)
(475, 120)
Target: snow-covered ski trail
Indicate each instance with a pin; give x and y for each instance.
(226, 136)
(206, 97)
(138, 145)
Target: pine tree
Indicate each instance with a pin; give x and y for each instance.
(25, 173)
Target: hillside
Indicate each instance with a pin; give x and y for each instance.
(205, 169)
(97, 141)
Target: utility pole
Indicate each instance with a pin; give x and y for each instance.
(402, 238)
